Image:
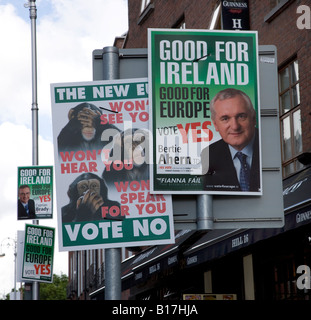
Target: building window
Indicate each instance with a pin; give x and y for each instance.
(144, 5)
(290, 115)
(274, 3)
(180, 24)
(285, 287)
(277, 7)
(216, 19)
(147, 7)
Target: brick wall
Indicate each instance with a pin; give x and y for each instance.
(290, 41)
(166, 14)
(280, 31)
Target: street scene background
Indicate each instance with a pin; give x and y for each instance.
(67, 33)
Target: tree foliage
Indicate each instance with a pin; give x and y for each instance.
(55, 290)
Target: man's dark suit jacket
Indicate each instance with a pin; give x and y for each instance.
(221, 175)
(22, 214)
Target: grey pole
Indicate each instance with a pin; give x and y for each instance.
(34, 107)
(204, 206)
(112, 256)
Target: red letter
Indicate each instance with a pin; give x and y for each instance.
(184, 132)
(195, 131)
(48, 269)
(37, 267)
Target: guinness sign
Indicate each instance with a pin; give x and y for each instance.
(235, 15)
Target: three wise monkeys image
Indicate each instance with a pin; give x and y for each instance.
(88, 193)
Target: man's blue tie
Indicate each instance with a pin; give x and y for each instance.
(27, 209)
(244, 171)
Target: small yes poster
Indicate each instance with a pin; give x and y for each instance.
(35, 192)
(38, 253)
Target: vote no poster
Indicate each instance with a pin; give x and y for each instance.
(101, 141)
(205, 112)
(38, 253)
(35, 192)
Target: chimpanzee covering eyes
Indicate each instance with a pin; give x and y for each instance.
(84, 129)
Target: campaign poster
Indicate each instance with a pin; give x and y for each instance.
(101, 144)
(38, 253)
(35, 192)
(205, 121)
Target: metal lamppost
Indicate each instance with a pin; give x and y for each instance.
(34, 107)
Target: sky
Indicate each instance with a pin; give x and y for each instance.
(67, 33)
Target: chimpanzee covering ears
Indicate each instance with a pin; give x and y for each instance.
(129, 157)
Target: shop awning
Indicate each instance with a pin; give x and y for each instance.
(217, 243)
(156, 258)
(297, 190)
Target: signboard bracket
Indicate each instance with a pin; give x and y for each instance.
(204, 206)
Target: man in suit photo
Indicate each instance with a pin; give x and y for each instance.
(232, 163)
(26, 206)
